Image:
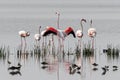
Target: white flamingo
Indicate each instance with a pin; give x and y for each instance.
(23, 34)
(92, 33)
(37, 36)
(79, 33)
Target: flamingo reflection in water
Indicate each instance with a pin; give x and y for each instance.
(51, 63)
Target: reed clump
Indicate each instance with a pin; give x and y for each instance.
(77, 50)
(4, 52)
(112, 52)
(37, 50)
(88, 51)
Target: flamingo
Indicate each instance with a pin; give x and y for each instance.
(60, 33)
(79, 33)
(23, 34)
(37, 36)
(92, 33)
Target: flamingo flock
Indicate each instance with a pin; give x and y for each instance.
(61, 34)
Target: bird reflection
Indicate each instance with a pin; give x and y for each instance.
(15, 73)
(14, 70)
(115, 68)
(95, 69)
(44, 67)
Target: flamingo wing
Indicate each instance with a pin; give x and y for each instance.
(69, 30)
(49, 30)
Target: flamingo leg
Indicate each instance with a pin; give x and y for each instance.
(21, 44)
(92, 43)
(36, 43)
(52, 41)
(39, 43)
(25, 44)
(59, 45)
(62, 45)
(43, 42)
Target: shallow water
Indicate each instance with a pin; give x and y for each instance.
(107, 33)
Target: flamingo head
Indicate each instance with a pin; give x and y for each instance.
(28, 34)
(92, 32)
(83, 20)
(79, 34)
(57, 13)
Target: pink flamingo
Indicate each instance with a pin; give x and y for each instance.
(92, 33)
(37, 36)
(60, 33)
(23, 34)
(79, 33)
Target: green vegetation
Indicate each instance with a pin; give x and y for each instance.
(88, 51)
(4, 52)
(112, 52)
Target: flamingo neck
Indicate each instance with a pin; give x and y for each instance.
(81, 25)
(39, 29)
(91, 24)
(58, 20)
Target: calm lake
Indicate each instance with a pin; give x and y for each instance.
(59, 67)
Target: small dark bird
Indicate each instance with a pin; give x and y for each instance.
(103, 68)
(44, 63)
(105, 50)
(106, 66)
(95, 64)
(15, 73)
(115, 66)
(14, 68)
(95, 69)
(104, 71)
